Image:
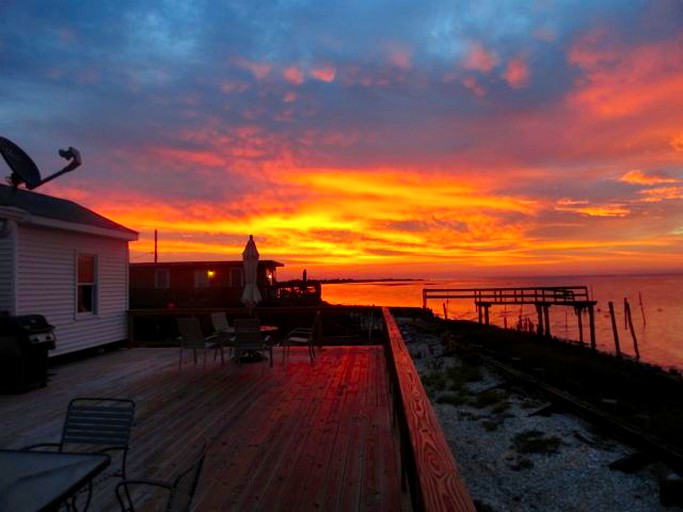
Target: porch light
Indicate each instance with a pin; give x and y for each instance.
(210, 274)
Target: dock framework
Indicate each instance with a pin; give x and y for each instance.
(542, 297)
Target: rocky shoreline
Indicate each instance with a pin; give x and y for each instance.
(516, 456)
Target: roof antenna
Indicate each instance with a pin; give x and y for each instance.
(24, 170)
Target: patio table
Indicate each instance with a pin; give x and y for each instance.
(253, 356)
(35, 480)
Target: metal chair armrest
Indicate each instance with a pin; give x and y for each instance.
(157, 483)
(122, 490)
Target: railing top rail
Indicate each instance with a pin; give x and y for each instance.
(512, 288)
(438, 481)
(513, 295)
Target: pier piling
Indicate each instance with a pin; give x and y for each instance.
(614, 329)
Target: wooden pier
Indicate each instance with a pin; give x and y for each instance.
(542, 297)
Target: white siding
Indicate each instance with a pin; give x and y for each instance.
(7, 273)
(46, 285)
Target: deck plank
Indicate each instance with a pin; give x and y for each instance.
(298, 436)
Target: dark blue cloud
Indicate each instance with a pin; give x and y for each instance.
(123, 77)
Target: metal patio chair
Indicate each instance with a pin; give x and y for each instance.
(223, 333)
(181, 489)
(192, 338)
(303, 336)
(249, 339)
(97, 425)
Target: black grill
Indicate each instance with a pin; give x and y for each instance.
(24, 343)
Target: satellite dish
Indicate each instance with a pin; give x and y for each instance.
(24, 170)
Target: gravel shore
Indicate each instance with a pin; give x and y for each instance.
(513, 457)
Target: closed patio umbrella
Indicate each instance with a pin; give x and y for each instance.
(251, 295)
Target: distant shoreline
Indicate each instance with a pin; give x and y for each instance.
(382, 280)
(521, 277)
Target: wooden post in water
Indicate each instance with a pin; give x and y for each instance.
(591, 320)
(539, 312)
(642, 310)
(627, 314)
(546, 318)
(614, 329)
(579, 314)
(445, 311)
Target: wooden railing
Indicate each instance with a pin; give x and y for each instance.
(427, 463)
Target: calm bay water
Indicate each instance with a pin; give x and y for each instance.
(656, 307)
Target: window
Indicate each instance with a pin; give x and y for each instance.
(162, 278)
(86, 292)
(201, 279)
(236, 277)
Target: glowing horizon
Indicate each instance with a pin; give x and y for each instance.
(381, 140)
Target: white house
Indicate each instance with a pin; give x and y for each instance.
(65, 262)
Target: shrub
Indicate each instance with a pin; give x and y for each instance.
(535, 441)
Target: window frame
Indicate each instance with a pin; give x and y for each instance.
(162, 278)
(91, 309)
(201, 280)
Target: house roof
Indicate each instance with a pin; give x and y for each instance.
(66, 213)
(202, 264)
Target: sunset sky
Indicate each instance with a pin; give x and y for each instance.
(383, 138)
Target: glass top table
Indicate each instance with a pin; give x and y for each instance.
(35, 480)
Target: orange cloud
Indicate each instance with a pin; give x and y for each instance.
(677, 142)
(411, 190)
(640, 178)
(585, 208)
(387, 219)
(290, 97)
(620, 80)
(401, 59)
(655, 195)
(480, 59)
(517, 73)
(293, 75)
(204, 158)
(260, 70)
(324, 73)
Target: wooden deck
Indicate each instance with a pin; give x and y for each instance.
(293, 437)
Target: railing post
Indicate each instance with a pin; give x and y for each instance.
(539, 312)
